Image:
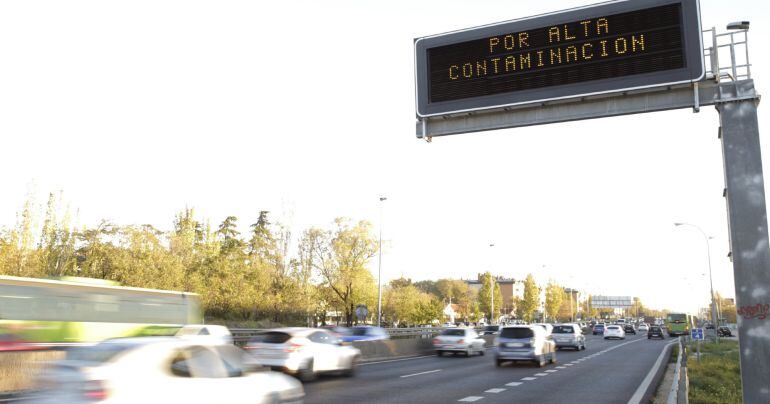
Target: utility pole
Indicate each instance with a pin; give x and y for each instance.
(379, 270)
(491, 294)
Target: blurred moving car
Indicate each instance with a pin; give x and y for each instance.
(491, 330)
(362, 333)
(524, 343)
(304, 352)
(655, 332)
(547, 327)
(598, 329)
(569, 336)
(211, 333)
(644, 327)
(163, 369)
(456, 340)
(614, 331)
(723, 331)
(629, 329)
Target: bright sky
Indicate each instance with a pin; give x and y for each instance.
(138, 109)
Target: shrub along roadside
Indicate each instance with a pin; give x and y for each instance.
(717, 377)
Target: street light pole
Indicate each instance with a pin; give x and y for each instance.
(379, 269)
(491, 294)
(714, 321)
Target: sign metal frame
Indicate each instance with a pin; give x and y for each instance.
(693, 71)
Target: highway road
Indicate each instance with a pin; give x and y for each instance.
(606, 372)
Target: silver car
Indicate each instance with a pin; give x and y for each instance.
(304, 352)
(527, 343)
(456, 340)
(569, 336)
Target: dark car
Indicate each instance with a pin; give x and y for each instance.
(491, 330)
(629, 329)
(598, 329)
(724, 332)
(655, 332)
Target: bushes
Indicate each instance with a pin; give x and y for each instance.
(717, 377)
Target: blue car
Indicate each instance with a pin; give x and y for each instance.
(598, 329)
(364, 333)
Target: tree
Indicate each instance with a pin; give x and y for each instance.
(485, 298)
(428, 286)
(229, 233)
(531, 300)
(554, 294)
(568, 306)
(340, 257)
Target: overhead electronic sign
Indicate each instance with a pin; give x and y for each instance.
(605, 48)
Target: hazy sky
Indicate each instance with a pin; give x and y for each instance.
(137, 109)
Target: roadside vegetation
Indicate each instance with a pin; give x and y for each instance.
(263, 277)
(717, 377)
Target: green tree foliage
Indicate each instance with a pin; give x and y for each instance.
(554, 294)
(404, 303)
(531, 299)
(490, 290)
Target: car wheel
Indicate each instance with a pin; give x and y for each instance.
(468, 352)
(540, 361)
(306, 373)
(553, 357)
(498, 362)
(481, 351)
(439, 353)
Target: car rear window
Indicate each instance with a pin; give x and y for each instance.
(358, 331)
(613, 327)
(492, 328)
(454, 332)
(517, 333)
(99, 353)
(272, 337)
(563, 329)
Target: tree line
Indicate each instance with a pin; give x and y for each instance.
(254, 278)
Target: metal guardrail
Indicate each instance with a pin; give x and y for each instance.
(242, 335)
(680, 386)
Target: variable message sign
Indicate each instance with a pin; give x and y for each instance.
(591, 50)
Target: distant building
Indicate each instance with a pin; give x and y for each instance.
(509, 288)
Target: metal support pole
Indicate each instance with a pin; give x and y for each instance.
(379, 270)
(747, 219)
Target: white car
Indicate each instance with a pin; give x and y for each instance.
(644, 327)
(614, 331)
(163, 369)
(547, 327)
(215, 334)
(304, 352)
(456, 340)
(527, 343)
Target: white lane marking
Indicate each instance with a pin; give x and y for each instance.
(471, 399)
(551, 371)
(541, 374)
(569, 364)
(422, 373)
(639, 393)
(396, 360)
(561, 367)
(494, 390)
(513, 384)
(529, 378)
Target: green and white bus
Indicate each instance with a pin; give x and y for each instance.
(83, 310)
(678, 324)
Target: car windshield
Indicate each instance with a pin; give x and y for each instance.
(563, 329)
(100, 353)
(455, 332)
(517, 333)
(271, 337)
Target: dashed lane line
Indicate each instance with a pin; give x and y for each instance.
(396, 360)
(569, 364)
(498, 390)
(541, 374)
(561, 367)
(529, 378)
(422, 373)
(551, 371)
(470, 399)
(514, 384)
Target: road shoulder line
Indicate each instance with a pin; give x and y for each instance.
(642, 389)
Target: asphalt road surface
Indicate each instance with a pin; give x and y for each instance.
(606, 372)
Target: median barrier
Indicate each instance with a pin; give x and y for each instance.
(395, 348)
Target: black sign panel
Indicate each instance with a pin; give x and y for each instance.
(605, 48)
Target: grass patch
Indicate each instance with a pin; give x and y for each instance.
(717, 377)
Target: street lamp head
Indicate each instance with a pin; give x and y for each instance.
(382, 198)
(739, 25)
(678, 224)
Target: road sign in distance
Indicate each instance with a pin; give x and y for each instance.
(605, 48)
(696, 333)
